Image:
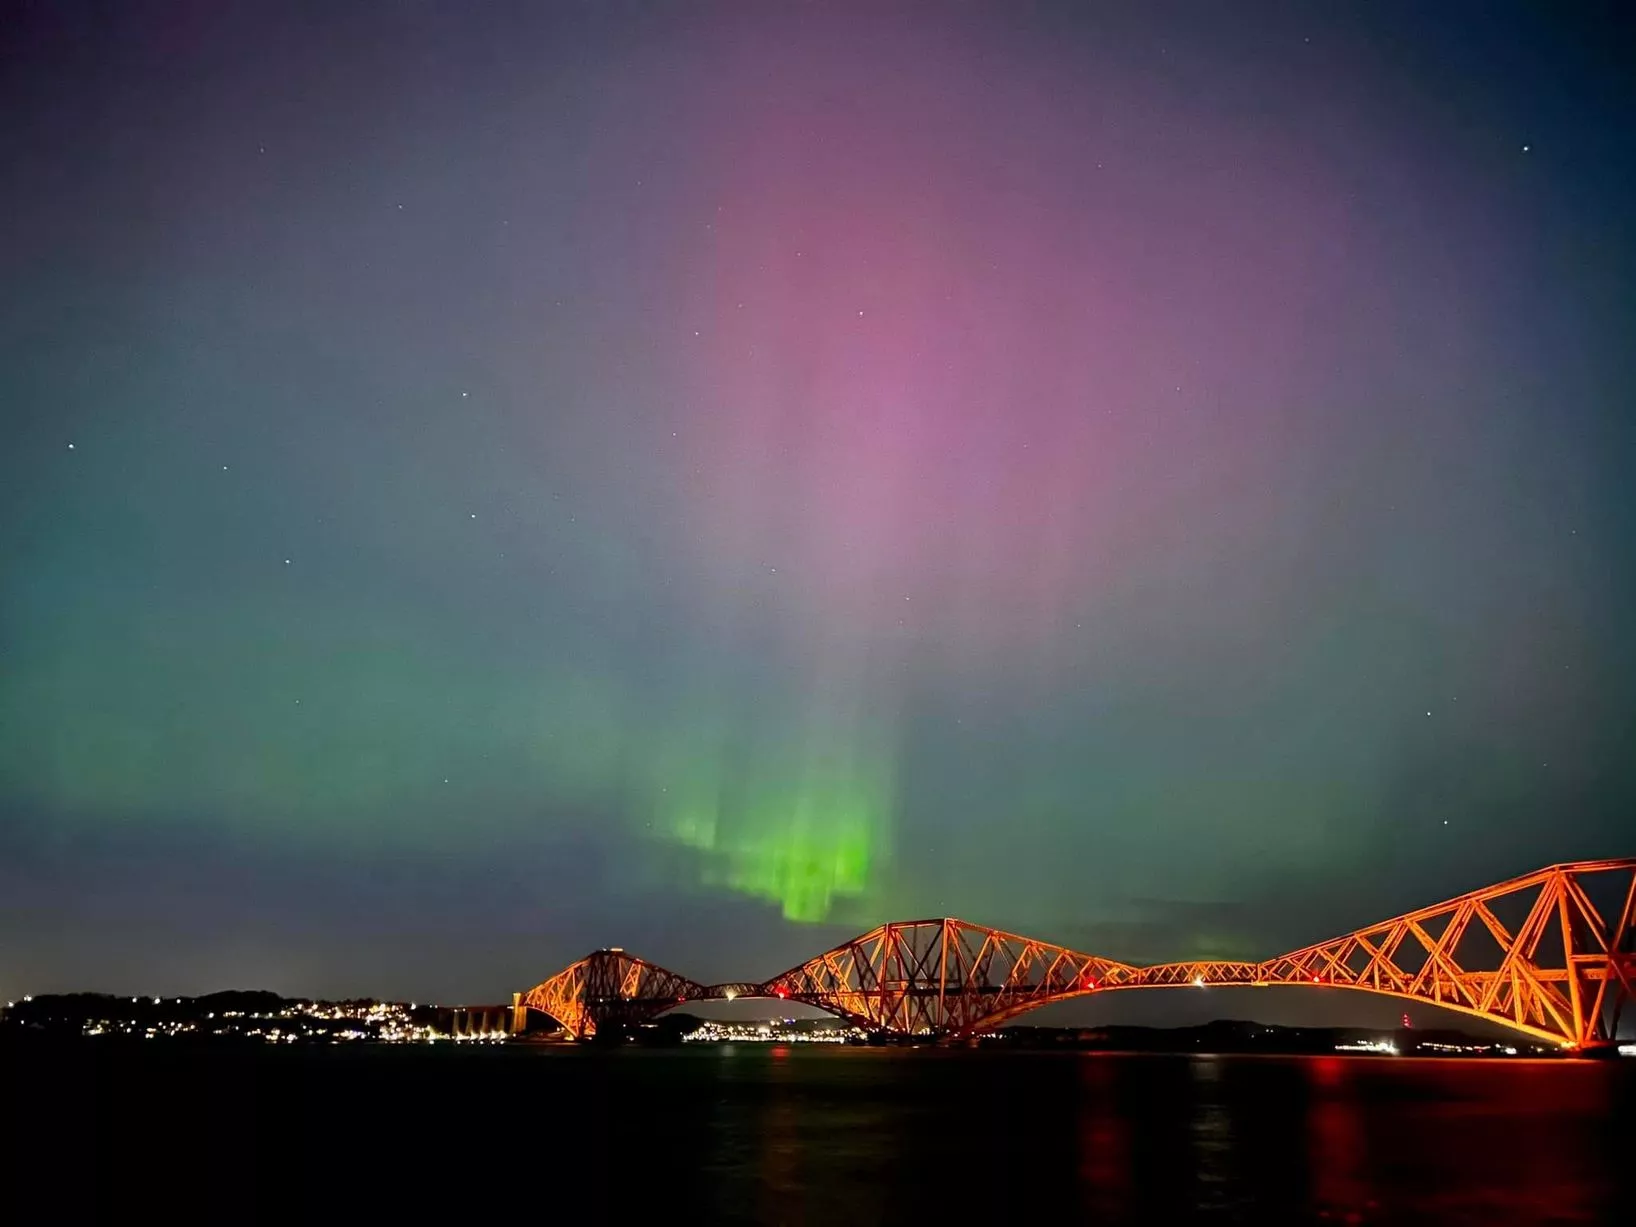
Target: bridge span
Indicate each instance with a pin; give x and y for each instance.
(1550, 954)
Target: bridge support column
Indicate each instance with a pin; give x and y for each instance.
(519, 1014)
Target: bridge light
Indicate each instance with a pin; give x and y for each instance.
(781, 992)
(731, 993)
(1198, 981)
(1315, 979)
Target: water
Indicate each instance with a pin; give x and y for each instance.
(821, 1135)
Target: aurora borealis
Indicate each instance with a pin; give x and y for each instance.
(711, 478)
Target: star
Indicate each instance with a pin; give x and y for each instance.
(286, 562)
(1525, 148)
(463, 395)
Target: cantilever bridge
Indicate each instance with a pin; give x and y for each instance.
(1561, 970)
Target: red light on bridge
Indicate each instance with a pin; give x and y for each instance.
(1315, 979)
(781, 992)
(1087, 983)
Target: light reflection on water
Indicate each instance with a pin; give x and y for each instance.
(768, 1134)
(1212, 1134)
(874, 1136)
(1104, 1165)
(1337, 1150)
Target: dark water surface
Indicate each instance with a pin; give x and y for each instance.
(757, 1134)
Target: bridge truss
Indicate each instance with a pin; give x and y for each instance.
(609, 988)
(941, 977)
(1551, 954)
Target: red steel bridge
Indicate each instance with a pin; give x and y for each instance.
(1551, 954)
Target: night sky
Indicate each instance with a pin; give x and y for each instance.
(480, 483)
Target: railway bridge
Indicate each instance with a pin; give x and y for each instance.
(1550, 954)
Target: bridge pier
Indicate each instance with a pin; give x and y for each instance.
(1600, 1050)
(519, 1014)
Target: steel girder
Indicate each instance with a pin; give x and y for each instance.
(1551, 954)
